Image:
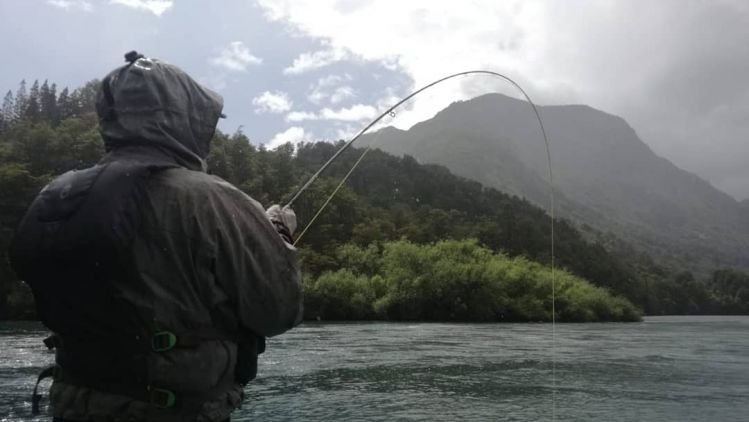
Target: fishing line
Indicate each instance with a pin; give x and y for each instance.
(390, 112)
(330, 197)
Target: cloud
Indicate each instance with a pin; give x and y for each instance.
(306, 62)
(355, 113)
(272, 102)
(157, 7)
(664, 66)
(425, 39)
(235, 57)
(300, 116)
(341, 93)
(325, 89)
(294, 134)
(83, 5)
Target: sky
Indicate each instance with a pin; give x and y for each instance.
(306, 70)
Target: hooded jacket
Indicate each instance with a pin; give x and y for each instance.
(161, 281)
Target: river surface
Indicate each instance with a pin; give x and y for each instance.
(663, 369)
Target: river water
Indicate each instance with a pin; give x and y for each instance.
(663, 369)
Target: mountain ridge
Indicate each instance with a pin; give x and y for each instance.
(605, 175)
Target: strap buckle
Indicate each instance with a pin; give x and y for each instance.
(161, 397)
(163, 341)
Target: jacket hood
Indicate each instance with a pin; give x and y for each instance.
(152, 103)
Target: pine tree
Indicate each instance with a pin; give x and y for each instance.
(48, 103)
(32, 111)
(21, 100)
(84, 98)
(64, 106)
(8, 111)
(53, 103)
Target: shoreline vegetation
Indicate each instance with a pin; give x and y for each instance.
(453, 281)
(401, 240)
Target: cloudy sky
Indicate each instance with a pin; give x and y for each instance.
(320, 69)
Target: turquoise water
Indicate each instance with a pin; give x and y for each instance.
(663, 369)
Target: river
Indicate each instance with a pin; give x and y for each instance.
(663, 369)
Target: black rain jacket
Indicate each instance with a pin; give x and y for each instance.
(147, 242)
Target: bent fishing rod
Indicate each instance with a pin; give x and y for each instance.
(390, 112)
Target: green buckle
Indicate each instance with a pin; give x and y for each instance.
(162, 398)
(163, 341)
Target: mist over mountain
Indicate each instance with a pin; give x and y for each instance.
(604, 176)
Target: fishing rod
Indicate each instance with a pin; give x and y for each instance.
(390, 112)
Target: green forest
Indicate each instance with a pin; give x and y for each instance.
(400, 241)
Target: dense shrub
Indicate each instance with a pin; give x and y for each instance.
(453, 281)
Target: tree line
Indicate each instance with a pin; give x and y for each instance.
(43, 103)
(388, 199)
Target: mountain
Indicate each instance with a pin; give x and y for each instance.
(605, 177)
(422, 214)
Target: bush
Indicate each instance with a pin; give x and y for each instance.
(342, 295)
(453, 281)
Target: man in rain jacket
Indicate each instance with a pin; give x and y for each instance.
(159, 281)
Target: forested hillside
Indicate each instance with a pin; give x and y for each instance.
(606, 177)
(391, 207)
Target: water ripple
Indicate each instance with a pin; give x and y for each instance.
(664, 369)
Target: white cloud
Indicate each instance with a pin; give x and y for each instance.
(272, 102)
(294, 134)
(426, 39)
(306, 62)
(355, 113)
(84, 5)
(341, 93)
(664, 66)
(300, 116)
(325, 89)
(332, 80)
(157, 7)
(235, 57)
(317, 96)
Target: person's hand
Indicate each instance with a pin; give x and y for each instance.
(284, 216)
